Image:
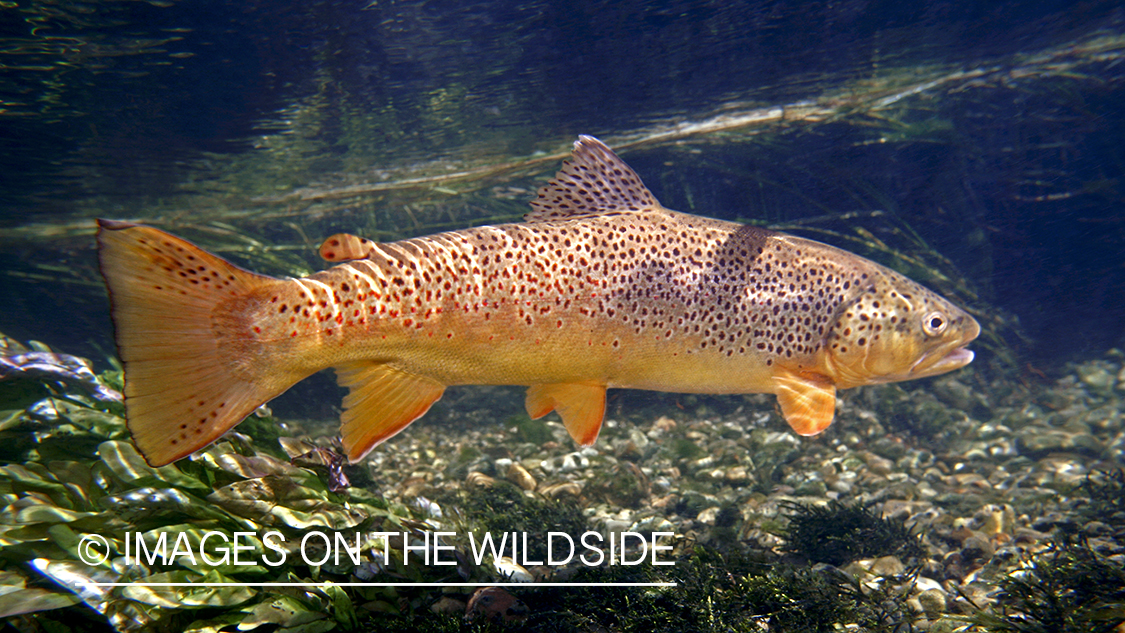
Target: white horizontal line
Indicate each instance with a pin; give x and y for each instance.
(383, 584)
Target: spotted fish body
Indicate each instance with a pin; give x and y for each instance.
(600, 287)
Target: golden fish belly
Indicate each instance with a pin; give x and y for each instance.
(460, 351)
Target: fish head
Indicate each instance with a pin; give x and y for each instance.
(893, 329)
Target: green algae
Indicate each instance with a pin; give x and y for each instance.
(1070, 588)
(1106, 494)
(503, 507)
(532, 431)
(839, 533)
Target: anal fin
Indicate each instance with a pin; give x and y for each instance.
(808, 403)
(581, 406)
(381, 401)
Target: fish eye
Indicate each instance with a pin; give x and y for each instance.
(934, 323)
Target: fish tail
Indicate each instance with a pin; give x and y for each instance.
(189, 375)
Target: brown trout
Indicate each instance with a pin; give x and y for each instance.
(599, 287)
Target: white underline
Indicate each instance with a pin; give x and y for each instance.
(383, 584)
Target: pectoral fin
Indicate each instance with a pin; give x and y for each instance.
(807, 402)
(582, 407)
(381, 401)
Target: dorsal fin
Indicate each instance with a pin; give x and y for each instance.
(592, 182)
(343, 247)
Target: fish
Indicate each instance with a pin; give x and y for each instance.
(599, 287)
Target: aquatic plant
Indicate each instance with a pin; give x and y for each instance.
(1106, 492)
(68, 473)
(838, 533)
(1069, 588)
(503, 507)
(820, 600)
(531, 431)
(732, 589)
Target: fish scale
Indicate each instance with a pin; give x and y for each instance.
(713, 289)
(600, 287)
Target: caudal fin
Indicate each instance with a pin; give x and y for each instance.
(188, 378)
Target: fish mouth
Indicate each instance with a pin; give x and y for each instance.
(955, 359)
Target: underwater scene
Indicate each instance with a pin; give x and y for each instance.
(562, 316)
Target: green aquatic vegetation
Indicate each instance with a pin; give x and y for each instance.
(683, 449)
(719, 590)
(1070, 588)
(503, 507)
(838, 533)
(796, 600)
(78, 476)
(1106, 492)
(427, 622)
(532, 431)
(820, 600)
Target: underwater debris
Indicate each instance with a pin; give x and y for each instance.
(326, 460)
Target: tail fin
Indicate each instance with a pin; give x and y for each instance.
(184, 384)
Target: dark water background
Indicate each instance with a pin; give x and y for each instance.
(187, 110)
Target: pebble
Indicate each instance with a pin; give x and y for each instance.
(560, 490)
(887, 566)
(479, 479)
(708, 515)
(520, 476)
(448, 606)
(495, 603)
(572, 462)
(512, 571)
(1097, 378)
(651, 524)
(932, 602)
